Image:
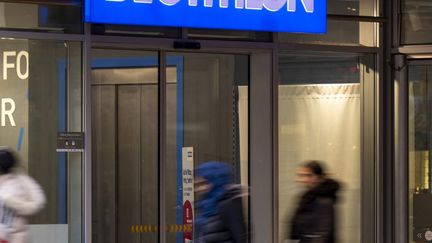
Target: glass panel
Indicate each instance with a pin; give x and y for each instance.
(320, 119)
(54, 16)
(338, 33)
(207, 120)
(125, 146)
(348, 7)
(40, 94)
(416, 22)
(420, 172)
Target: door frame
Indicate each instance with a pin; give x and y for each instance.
(260, 123)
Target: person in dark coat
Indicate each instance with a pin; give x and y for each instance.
(314, 219)
(220, 210)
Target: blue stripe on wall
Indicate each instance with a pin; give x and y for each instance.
(20, 139)
(61, 126)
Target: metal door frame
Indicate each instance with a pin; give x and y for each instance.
(260, 85)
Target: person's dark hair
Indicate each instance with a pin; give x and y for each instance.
(317, 167)
(7, 161)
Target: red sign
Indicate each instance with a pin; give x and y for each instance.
(187, 221)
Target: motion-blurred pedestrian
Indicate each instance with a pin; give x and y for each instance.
(20, 197)
(314, 219)
(219, 206)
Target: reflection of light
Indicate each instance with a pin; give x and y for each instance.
(3, 38)
(334, 85)
(424, 56)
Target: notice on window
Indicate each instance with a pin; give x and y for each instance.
(188, 192)
(70, 142)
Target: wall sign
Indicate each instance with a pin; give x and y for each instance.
(13, 63)
(422, 235)
(70, 142)
(307, 16)
(188, 192)
(14, 95)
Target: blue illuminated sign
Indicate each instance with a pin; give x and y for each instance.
(307, 16)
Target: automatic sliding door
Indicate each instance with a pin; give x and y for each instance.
(125, 146)
(207, 120)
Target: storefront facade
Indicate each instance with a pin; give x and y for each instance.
(150, 100)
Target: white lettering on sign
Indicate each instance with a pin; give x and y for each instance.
(7, 65)
(7, 108)
(21, 55)
(271, 5)
(13, 61)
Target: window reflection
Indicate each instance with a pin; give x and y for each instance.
(420, 146)
(51, 16)
(416, 22)
(351, 33)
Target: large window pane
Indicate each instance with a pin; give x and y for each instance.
(52, 16)
(350, 33)
(357, 7)
(416, 22)
(41, 95)
(420, 152)
(207, 117)
(320, 100)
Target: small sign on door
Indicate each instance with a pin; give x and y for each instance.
(422, 235)
(70, 142)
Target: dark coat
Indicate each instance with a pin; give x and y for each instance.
(314, 219)
(228, 226)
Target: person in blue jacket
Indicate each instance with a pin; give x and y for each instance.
(220, 208)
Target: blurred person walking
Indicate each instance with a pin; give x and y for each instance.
(314, 218)
(20, 197)
(220, 209)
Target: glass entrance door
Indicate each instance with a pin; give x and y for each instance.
(207, 114)
(205, 119)
(125, 145)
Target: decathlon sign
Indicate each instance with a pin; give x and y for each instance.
(307, 16)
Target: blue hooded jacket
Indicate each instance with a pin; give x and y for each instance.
(220, 176)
